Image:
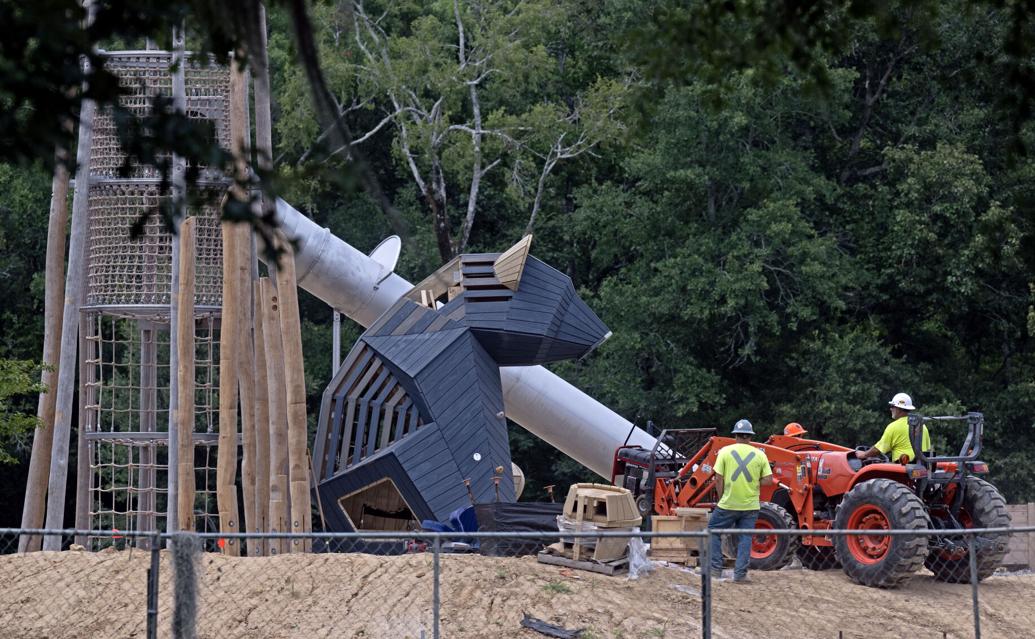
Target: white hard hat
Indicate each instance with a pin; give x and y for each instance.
(903, 401)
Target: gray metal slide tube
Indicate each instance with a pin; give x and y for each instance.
(538, 400)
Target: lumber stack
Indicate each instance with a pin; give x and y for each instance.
(598, 507)
(679, 550)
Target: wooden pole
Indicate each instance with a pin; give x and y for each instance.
(54, 297)
(179, 200)
(294, 378)
(185, 377)
(262, 423)
(265, 475)
(74, 296)
(246, 375)
(230, 327)
(246, 365)
(278, 440)
(226, 447)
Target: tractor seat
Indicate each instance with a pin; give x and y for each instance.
(637, 455)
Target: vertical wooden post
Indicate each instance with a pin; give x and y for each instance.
(226, 447)
(294, 378)
(262, 423)
(179, 201)
(185, 379)
(54, 296)
(75, 294)
(230, 328)
(278, 440)
(246, 374)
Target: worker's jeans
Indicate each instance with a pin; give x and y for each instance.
(742, 519)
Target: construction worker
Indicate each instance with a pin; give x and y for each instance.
(740, 472)
(794, 429)
(895, 442)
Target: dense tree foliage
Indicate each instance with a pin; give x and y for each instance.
(776, 228)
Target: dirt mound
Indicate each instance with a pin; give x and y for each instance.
(78, 594)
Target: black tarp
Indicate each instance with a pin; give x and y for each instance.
(526, 516)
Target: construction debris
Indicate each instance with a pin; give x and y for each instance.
(557, 555)
(549, 629)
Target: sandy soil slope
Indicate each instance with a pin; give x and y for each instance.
(78, 594)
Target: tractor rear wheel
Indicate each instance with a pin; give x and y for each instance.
(768, 552)
(983, 507)
(818, 558)
(872, 558)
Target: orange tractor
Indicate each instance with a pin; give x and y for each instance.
(822, 486)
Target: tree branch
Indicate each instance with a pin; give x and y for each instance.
(328, 113)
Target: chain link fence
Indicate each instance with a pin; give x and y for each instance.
(838, 584)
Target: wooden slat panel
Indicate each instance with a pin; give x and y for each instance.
(510, 263)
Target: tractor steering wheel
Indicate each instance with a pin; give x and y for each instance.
(880, 458)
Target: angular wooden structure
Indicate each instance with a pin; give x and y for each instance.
(417, 407)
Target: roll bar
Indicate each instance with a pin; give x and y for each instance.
(971, 445)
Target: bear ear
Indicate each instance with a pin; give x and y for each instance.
(511, 263)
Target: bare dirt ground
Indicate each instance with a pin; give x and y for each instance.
(79, 594)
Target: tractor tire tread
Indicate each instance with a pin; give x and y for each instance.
(987, 509)
(909, 552)
(787, 545)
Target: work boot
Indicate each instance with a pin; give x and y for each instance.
(717, 575)
(741, 580)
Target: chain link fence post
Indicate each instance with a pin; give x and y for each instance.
(971, 546)
(435, 594)
(706, 585)
(152, 588)
(185, 550)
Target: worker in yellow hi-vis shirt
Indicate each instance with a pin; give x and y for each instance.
(740, 472)
(895, 442)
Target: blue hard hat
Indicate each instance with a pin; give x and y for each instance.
(743, 427)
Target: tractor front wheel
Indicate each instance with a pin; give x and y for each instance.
(872, 558)
(983, 507)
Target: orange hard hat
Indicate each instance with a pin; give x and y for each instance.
(794, 429)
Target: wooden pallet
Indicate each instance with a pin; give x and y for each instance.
(691, 560)
(609, 568)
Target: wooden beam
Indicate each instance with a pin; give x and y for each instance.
(53, 300)
(294, 382)
(246, 376)
(75, 294)
(262, 423)
(276, 396)
(511, 263)
(185, 376)
(230, 326)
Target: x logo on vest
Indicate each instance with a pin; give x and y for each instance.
(742, 466)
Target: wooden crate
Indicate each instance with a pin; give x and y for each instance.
(602, 505)
(675, 523)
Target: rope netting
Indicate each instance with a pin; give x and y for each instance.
(125, 414)
(125, 371)
(143, 76)
(133, 271)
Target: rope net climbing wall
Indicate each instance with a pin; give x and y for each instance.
(125, 340)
